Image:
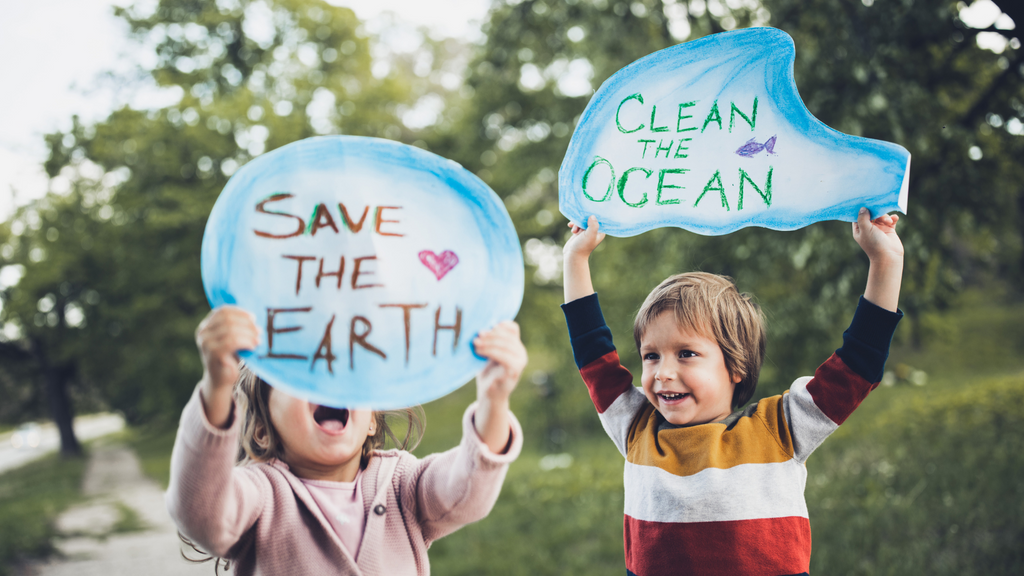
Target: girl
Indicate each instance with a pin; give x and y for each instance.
(313, 495)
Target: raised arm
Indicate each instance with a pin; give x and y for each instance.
(213, 502)
(219, 337)
(576, 259)
(879, 241)
(506, 359)
(815, 407)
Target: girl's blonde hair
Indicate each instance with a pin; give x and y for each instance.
(260, 442)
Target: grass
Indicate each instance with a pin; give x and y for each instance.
(153, 445)
(31, 497)
(920, 480)
(932, 485)
(557, 521)
(930, 479)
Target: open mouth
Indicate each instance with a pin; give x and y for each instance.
(672, 396)
(331, 419)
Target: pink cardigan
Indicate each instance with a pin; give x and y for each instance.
(263, 519)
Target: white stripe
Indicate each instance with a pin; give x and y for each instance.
(618, 417)
(808, 425)
(743, 492)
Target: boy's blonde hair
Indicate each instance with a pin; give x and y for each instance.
(259, 441)
(710, 305)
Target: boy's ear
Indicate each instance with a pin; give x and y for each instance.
(736, 378)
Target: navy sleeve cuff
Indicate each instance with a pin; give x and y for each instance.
(588, 333)
(866, 342)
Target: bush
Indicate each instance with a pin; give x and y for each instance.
(934, 485)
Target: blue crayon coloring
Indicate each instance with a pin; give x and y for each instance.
(368, 264)
(689, 137)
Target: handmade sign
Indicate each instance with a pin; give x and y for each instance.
(370, 266)
(712, 136)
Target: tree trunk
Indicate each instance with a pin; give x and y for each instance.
(57, 379)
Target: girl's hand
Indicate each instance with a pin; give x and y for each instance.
(506, 359)
(878, 237)
(219, 337)
(583, 241)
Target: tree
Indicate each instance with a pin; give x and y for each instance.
(904, 72)
(111, 292)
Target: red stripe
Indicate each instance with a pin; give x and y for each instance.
(837, 390)
(765, 547)
(606, 380)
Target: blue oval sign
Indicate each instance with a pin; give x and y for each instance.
(370, 266)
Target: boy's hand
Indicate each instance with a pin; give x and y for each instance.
(576, 259)
(583, 241)
(879, 241)
(506, 359)
(219, 337)
(878, 237)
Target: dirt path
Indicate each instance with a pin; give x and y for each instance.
(123, 530)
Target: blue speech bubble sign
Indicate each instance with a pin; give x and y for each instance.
(712, 136)
(370, 266)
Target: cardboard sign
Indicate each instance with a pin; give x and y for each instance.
(370, 266)
(712, 136)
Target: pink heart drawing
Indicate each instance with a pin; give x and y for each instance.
(439, 265)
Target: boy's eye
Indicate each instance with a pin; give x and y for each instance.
(687, 354)
(650, 356)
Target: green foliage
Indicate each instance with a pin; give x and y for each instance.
(932, 90)
(913, 74)
(559, 521)
(119, 251)
(152, 444)
(31, 497)
(932, 487)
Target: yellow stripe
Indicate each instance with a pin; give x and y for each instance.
(762, 438)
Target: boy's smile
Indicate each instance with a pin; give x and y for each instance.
(684, 374)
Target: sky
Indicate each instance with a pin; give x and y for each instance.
(57, 52)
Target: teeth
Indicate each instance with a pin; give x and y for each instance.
(671, 396)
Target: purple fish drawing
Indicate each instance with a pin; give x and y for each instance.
(751, 148)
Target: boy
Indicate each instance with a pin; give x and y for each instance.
(710, 490)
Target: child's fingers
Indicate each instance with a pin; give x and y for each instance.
(491, 348)
(886, 222)
(237, 328)
(226, 330)
(864, 219)
(502, 344)
(499, 350)
(506, 327)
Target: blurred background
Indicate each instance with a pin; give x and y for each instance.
(103, 214)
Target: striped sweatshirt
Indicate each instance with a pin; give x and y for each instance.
(724, 498)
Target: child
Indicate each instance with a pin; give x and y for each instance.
(314, 496)
(712, 488)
